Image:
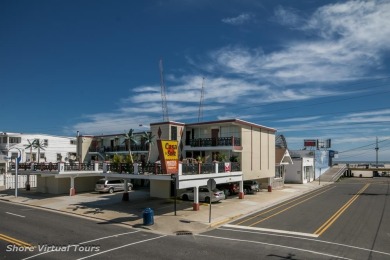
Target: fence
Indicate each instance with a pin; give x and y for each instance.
(9, 181)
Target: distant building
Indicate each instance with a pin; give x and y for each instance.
(54, 148)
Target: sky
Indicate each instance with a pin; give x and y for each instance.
(310, 69)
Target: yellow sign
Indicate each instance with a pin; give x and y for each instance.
(170, 150)
(169, 155)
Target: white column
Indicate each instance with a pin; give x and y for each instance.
(241, 192)
(195, 205)
(72, 191)
(136, 170)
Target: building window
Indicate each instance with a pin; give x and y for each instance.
(15, 140)
(59, 157)
(42, 156)
(173, 132)
(279, 172)
(45, 142)
(73, 142)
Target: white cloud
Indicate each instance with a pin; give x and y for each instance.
(238, 20)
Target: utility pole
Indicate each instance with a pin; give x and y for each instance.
(200, 114)
(163, 94)
(377, 150)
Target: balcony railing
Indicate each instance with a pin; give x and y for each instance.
(125, 168)
(118, 148)
(220, 141)
(206, 168)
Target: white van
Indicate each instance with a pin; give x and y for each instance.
(110, 186)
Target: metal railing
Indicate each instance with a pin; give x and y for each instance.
(118, 148)
(220, 141)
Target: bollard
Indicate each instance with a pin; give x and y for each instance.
(148, 216)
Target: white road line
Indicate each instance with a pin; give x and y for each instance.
(85, 242)
(15, 214)
(309, 239)
(276, 245)
(272, 230)
(119, 247)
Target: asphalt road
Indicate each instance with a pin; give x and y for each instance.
(346, 220)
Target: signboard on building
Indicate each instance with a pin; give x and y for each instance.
(310, 143)
(169, 156)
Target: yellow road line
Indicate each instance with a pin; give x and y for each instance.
(15, 241)
(335, 216)
(281, 211)
(281, 205)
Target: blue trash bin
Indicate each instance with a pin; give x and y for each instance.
(148, 215)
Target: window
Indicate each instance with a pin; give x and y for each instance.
(73, 142)
(279, 172)
(173, 132)
(45, 142)
(42, 156)
(59, 157)
(14, 155)
(15, 140)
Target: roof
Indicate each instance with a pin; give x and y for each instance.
(282, 156)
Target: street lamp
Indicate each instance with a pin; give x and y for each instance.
(16, 170)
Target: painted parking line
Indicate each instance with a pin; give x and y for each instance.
(277, 245)
(14, 241)
(336, 215)
(13, 214)
(272, 230)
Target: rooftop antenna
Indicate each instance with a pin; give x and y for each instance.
(163, 94)
(200, 114)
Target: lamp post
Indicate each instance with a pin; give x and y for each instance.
(16, 171)
(319, 178)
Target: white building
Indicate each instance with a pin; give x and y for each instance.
(302, 169)
(53, 148)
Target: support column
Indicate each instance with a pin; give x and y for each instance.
(195, 205)
(28, 182)
(269, 184)
(125, 196)
(72, 191)
(241, 194)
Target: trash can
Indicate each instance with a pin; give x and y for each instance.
(148, 215)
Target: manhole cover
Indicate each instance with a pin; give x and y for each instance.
(182, 233)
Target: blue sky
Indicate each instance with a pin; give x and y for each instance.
(311, 69)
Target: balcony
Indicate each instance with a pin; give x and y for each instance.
(220, 141)
(118, 148)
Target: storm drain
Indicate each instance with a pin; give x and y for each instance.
(183, 233)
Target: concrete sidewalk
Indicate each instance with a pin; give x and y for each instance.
(111, 209)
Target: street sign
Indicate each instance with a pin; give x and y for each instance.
(211, 184)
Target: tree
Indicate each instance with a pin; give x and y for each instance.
(30, 146)
(130, 139)
(149, 140)
(39, 145)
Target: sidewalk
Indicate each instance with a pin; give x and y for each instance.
(111, 208)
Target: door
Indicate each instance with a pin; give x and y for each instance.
(214, 137)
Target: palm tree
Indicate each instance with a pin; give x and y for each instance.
(130, 139)
(39, 145)
(149, 140)
(30, 146)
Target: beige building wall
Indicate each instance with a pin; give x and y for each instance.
(160, 189)
(62, 185)
(258, 153)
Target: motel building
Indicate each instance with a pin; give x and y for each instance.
(224, 151)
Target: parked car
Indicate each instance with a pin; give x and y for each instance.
(251, 187)
(111, 186)
(204, 195)
(230, 188)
